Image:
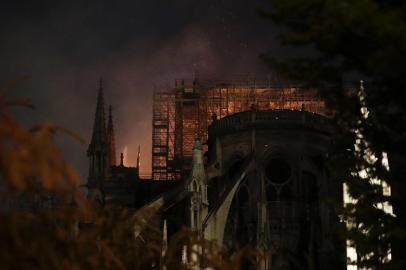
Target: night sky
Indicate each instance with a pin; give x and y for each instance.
(65, 47)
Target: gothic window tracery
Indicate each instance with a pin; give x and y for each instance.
(278, 174)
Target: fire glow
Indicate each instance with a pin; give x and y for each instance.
(125, 156)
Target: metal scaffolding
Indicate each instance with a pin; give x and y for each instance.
(183, 113)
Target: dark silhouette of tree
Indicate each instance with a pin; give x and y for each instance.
(337, 42)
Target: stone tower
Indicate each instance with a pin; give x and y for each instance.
(111, 139)
(98, 151)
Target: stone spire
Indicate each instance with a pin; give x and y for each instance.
(111, 139)
(139, 157)
(198, 171)
(99, 135)
(122, 160)
(98, 149)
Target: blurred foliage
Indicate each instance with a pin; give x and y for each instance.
(47, 223)
(335, 43)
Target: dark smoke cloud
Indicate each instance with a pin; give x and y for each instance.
(134, 45)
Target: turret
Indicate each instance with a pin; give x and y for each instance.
(98, 148)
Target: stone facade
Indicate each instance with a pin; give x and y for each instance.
(263, 182)
(269, 187)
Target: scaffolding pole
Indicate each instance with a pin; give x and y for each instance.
(183, 113)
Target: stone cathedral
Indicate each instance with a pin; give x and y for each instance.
(260, 179)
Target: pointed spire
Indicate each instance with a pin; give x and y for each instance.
(197, 152)
(138, 157)
(99, 136)
(122, 160)
(198, 175)
(111, 138)
(98, 149)
(198, 172)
